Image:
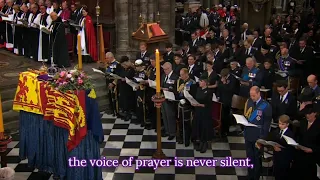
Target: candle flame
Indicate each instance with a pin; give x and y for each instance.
(157, 50)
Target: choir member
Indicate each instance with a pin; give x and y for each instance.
(45, 21)
(88, 37)
(9, 32)
(58, 49)
(56, 8)
(34, 22)
(25, 31)
(65, 14)
(3, 9)
(49, 6)
(304, 164)
(202, 123)
(17, 30)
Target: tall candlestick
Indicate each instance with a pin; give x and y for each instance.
(79, 53)
(1, 117)
(157, 71)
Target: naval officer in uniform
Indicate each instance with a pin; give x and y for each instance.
(259, 113)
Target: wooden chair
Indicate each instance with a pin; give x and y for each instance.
(70, 41)
(217, 117)
(294, 84)
(238, 103)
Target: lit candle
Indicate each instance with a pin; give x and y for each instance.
(157, 71)
(79, 53)
(1, 118)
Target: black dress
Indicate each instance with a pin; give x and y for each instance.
(212, 80)
(126, 96)
(202, 124)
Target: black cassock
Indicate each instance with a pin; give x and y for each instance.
(3, 27)
(18, 30)
(58, 44)
(9, 33)
(202, 125)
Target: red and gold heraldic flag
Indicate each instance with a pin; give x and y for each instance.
(65, 109)
(27, 96)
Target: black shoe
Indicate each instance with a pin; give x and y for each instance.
(187, 144)
(195, 145)
(200, 146)
(180, 141)
(164, 135)
(142, 125)
(148, 127)
(204, 147)
(171, 138)
(127, 118)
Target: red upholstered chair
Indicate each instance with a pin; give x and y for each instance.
(70, 41)
(216, 117)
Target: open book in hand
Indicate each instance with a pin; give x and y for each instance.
(131, 83)
(239, 78)
(98, 71)
(45, 29)
(292, 142)
(242, 120)
(152, 84)
(269, 143)
(188, 96)
(169, 95)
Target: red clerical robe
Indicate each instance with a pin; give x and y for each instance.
(91, 39)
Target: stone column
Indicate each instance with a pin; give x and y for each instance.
(165, 15)
(214, 2)
(122, 27)
(151, 11)
(144, 9)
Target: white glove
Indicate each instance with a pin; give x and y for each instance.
(182, 101)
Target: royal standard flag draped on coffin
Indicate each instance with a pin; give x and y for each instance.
(27, 96)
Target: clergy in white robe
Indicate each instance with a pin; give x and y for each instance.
(43, 47)
(9, 18)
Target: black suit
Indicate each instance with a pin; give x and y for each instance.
(245, 34)
(144, 57)
(282, 159)
(169, 57)
(288, 106)
(245, 54)
(257, 43)
(225, 94)
(194, 72)
(304, 164)
(169, 107)
(194, 44)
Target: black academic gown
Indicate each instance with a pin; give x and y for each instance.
(202, 124)
(58, 44)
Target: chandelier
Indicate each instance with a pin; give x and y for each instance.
(258, 4)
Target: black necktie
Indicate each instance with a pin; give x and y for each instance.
(254, 105)
(281, 98)
(165, 79)
(281, 131)
(247, 52)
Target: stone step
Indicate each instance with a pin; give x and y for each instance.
(7, 105)
(7, 94)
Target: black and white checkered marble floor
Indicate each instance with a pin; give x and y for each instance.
(123, 139)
